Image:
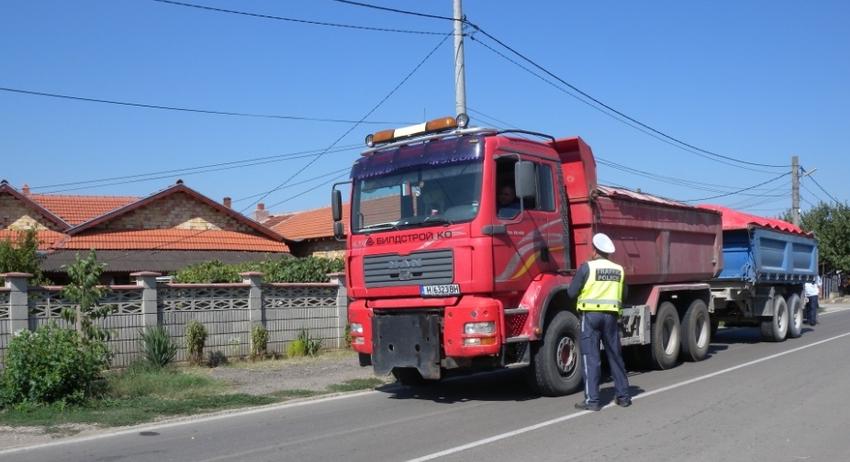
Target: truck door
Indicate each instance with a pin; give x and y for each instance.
(533, 226)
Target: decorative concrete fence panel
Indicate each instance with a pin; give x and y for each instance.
(222, 309)
(227, 311)
(289, 308)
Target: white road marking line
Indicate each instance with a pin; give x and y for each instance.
(189, 421)
(567, 417)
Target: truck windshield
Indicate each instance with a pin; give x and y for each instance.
(418, 197)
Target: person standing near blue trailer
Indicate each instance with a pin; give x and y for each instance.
(812, 292)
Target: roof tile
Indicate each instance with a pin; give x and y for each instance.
(79, 209)
(174, 239)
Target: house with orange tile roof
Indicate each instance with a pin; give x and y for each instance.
(162, 232)
(310, 232)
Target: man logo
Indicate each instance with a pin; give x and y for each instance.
(406, 263)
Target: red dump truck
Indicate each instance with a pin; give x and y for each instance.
(443, 276)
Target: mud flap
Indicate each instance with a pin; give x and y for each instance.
(407, 340)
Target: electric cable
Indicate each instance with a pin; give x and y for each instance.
(296, 20)
(187, 109)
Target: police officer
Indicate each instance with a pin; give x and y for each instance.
(598, 284)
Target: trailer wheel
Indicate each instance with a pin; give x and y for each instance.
(665, 337)
(795, 314)
(696, 331)
(775, 328)
(556, 365)
(410, 377)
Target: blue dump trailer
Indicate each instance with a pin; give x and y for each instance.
(765, 264)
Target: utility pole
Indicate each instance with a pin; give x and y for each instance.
(460, 70)
(795, 190)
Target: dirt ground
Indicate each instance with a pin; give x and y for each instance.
(256, 378)
(314, 374)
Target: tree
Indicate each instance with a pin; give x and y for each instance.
(20, 255)
(85, 291)
(831, 225)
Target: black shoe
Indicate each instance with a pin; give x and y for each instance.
(624, 402)
(588, 407)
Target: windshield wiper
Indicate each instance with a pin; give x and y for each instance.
(437, 219)
(380, 227)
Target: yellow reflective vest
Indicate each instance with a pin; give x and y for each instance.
(603, 290)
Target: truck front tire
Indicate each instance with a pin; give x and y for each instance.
(775, 328)
(795, 316)
(665, 342)
(696, 331)
(556, 366)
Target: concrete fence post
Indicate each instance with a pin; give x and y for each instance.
(341, 308)
(147, 280)
(255, 297)
(19, 316)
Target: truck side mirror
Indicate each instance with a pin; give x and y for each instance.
(525, 179)
(339, 231)
(336, 205)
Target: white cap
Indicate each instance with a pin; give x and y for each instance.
(603, 243)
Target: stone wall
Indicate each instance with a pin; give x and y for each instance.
(15, 215)
(176, 211)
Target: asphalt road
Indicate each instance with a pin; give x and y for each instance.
(749, 401)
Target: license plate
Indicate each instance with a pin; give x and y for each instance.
(441, 290)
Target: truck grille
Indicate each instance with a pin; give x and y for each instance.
(429, 267)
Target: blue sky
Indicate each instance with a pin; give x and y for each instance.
(756, 80)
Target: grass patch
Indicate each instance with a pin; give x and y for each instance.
(140, 394)
(324, 355)
(356, 384)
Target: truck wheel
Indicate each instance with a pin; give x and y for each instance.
(410, 377)
(665, 337)
(696, 331)
(775, 328)
(557, 364)
(795, 315)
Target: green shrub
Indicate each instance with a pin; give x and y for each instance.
(20, 255)
(216, 358)
(259, 341)
(52, 365)
(283, 269)
(303, 345)
(196, 338)
(85, 291)
(157, 347)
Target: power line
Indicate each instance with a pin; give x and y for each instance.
(322, 184)
(698, 185)
(711, 187)
(368, 113)
(612, 115)
(754, 201)
(811, 177)
(186, 109)
(190, 170)
(324, 175)
(813, 193)
(584, 94)
(740, 190)
(396, 10)
(297, 20)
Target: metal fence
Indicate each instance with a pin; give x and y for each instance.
(227, 311)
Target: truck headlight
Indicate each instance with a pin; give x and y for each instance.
(488, 327)
(356, 328)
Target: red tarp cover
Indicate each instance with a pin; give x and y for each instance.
(733, 219)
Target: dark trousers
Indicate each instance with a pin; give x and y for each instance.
(812, 310)
(596, 326)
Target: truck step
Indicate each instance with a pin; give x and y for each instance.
(521, 338)
(515, 311)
